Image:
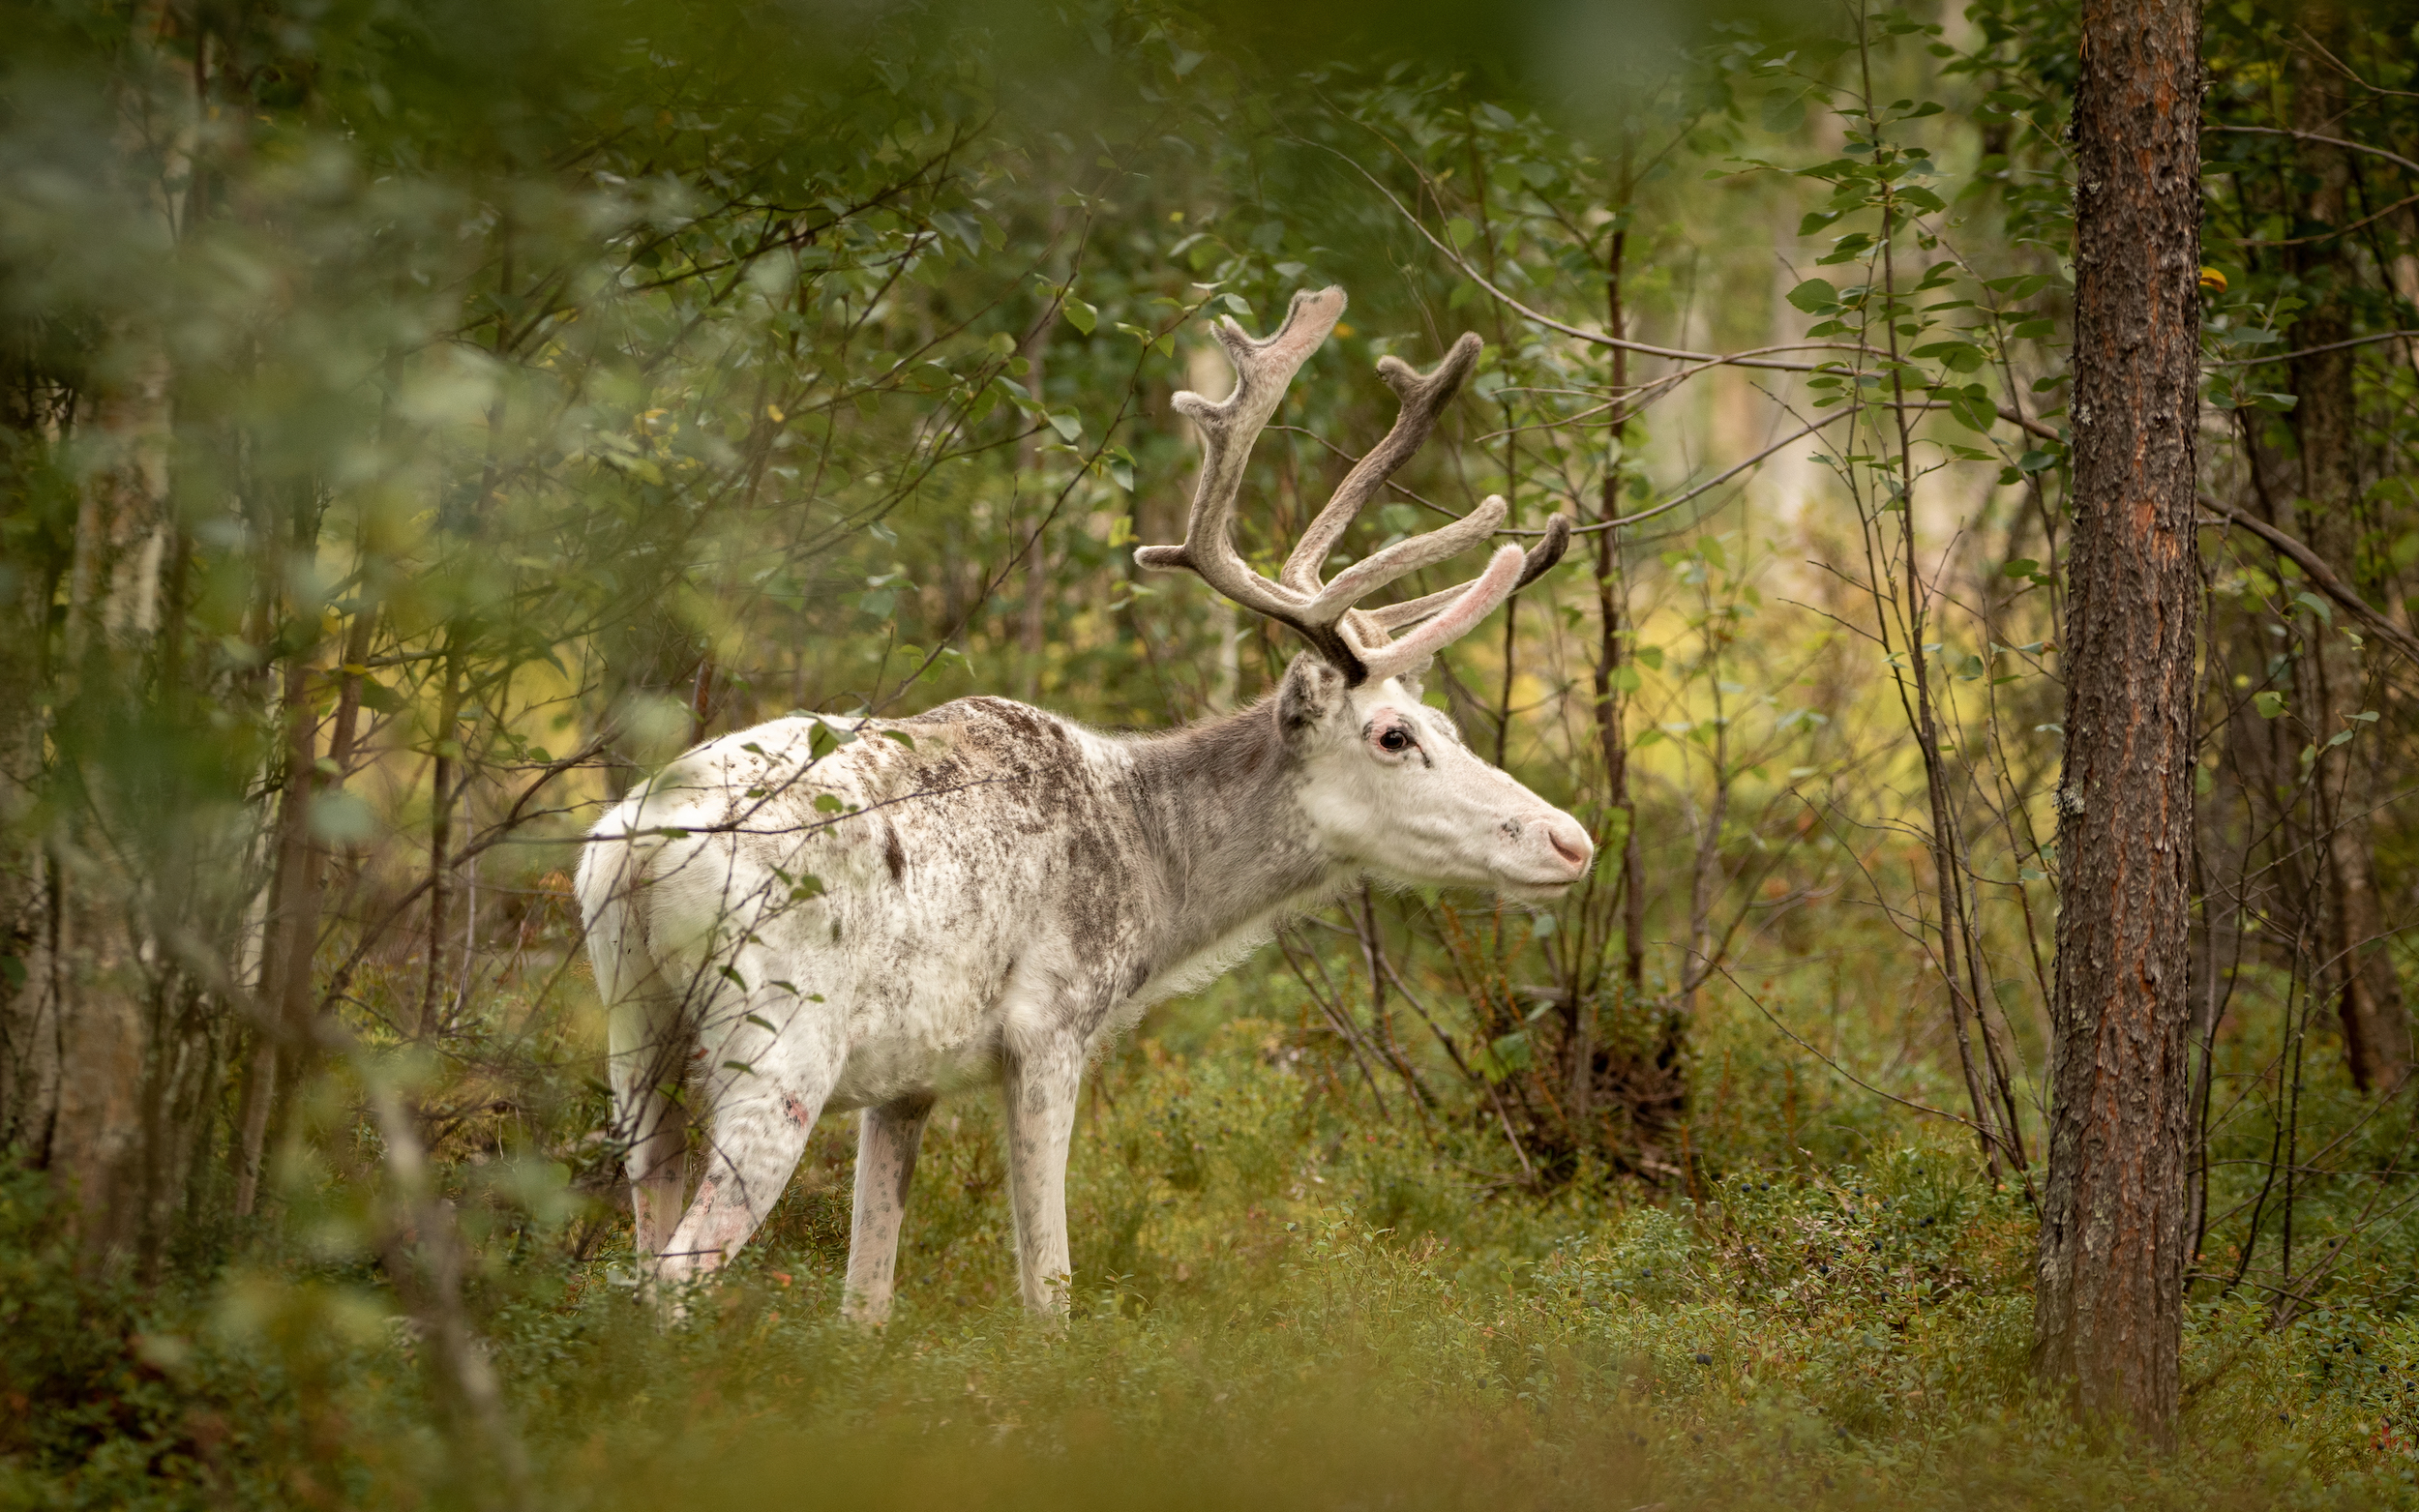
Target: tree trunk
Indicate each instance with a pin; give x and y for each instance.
(93, 1007)
(2109, 1312)
(1033, 611)
(2354, 968)
(445, 792)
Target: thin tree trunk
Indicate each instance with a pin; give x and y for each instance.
(280, 1060)
(289, 932)
(1512, 605)
(2353, 967)
(1615, 650)
(440, 840)
(1032, 615)
(1960, 973)
(2108, 1325)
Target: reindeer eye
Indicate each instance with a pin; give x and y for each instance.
(1395, 739)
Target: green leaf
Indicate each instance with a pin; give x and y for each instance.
(1956, 356)
(1506, 1055)
(1973, 412)
(1459, 231)
(2269, 703)
(1814, 296)
(2019, 567)
(828, 803)
(1082, 316)
(1068, 426)
(2021, 286)
(2316, 605)
(899, 735)
(1783, 114)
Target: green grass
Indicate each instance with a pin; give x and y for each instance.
(1276, 1308)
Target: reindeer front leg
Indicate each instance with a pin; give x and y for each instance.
(886, 1142)
(1041, 1087)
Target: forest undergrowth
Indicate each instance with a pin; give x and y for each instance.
(1280, 1300)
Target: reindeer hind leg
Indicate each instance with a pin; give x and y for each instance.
(763, 1093)
(646, 1046)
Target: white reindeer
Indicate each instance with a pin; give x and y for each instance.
(986, 892)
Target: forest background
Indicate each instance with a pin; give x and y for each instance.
(420, 420)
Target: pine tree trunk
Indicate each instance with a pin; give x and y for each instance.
(2108, 1310)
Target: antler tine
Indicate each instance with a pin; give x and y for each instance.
(1475, 602)
(1262, 369)
(1423, 397)
(1505, 574)
(1540, 556)
(1352, 641)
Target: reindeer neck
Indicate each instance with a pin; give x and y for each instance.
(1221, 805)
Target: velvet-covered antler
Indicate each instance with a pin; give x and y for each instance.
(1358, 643)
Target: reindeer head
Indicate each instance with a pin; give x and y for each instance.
(1388, 785)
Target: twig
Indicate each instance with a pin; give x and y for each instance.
(2319, 574)
(1843, 1070)
(2397, 158)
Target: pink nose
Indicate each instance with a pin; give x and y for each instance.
(1569, 842)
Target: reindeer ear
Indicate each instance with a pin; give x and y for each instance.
(1310, 692)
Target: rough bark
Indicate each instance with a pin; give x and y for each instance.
(2107, 1322)
(2354, 968)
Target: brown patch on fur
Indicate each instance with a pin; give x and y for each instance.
(893, 853)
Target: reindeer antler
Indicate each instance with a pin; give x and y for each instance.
(1356, 643)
